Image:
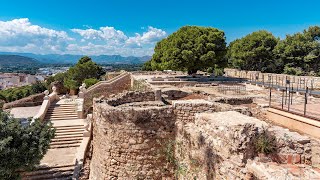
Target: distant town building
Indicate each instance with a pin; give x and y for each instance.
(8, 80)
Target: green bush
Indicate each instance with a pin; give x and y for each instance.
(12, 94)
(218, 72)
(210, 70)
(91, 81)
(293, 71)
(22, 146)
(265, 143)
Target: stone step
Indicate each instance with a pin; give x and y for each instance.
(61, 111)
(68, 133)
(62, 118)
(61, 108)
(68, 136)
(65, 142)
(69, 126)
(61, 115)
(68, 130)
(61, 105)
(64, 146)
(67, 139)
(59, 172)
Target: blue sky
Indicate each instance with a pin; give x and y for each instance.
(133, 27)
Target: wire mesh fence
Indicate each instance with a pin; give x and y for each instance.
(231, 89)
(296, 102)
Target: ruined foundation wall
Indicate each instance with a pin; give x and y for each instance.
(130, 97)
(131, 143)
(185, 110)
(219, 145)
(135, 137)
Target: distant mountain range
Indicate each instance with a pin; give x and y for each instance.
(14, 60)
(68, 58)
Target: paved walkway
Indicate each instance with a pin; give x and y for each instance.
(25, 112)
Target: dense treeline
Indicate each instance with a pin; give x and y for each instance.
(12, 94)
(297, 54)
(194, 48)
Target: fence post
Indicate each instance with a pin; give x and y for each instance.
(289, 98)
(291, 93)
(285, 100)
(282, 99)
(305, 101)
(270, 97)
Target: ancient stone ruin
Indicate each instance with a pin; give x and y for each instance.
(150, 135)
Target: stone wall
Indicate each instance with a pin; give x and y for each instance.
(216, 145)
(277, 79)
(185, 110)
(132, 142)
(129, 97)
(116, 85)
(33, 100)
(135, 137)
(220, 145)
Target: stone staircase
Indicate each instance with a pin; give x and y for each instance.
(59, 161)
(61, 112)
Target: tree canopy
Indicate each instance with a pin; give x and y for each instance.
(254, 52)
(194, 48)
(22, 146)
(191, 48)
(12, 94)
(84, 69)
(300, 52)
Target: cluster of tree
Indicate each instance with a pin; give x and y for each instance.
(22, 145)
(194, 48)
(189, 49)
(297, 54)
(85, 71)
(12, 94)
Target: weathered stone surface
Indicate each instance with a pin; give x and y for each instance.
(107, 88)
(219, 142)
(131, 142)
(130, 96)
(135, 137)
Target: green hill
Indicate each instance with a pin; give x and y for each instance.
(16, 60)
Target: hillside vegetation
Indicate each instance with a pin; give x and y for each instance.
(16, 60)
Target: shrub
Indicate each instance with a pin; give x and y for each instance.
(12, 94)
(22, 146)
(91, 81)
(293, 71)
(265, 142)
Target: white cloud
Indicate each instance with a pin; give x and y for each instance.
(20, 35)
(150, 37)
(109, 34)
